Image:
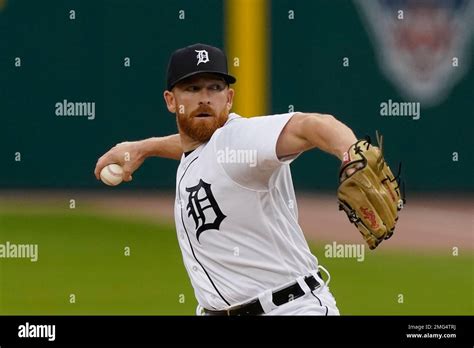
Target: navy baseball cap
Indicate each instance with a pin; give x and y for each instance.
(197, 59)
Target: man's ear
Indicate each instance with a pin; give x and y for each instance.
(170, 101)
(230, 98)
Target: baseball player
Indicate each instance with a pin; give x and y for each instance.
(235, 211)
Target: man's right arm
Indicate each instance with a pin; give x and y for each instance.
(131, 154)
(164, 147)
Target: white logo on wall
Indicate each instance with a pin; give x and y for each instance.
(202, 56)
(422, 46)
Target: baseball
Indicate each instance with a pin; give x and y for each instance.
(111, 175)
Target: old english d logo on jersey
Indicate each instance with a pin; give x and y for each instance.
(202, 56)
(421, 44)
(203, 208)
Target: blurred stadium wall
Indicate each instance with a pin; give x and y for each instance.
(83, 60)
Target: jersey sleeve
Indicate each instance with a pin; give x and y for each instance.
(246, 149)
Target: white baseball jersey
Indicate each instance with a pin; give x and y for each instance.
(236, 214)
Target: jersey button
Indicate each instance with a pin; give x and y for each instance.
(195, 268)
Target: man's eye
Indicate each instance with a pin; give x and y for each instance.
(192, 88)
(216, 87)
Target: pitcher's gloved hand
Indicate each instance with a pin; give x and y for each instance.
(368, 191)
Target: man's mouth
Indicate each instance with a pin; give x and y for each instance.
(203, 114)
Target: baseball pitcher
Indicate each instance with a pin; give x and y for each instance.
(235, 210)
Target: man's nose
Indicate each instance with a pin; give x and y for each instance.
(204, 96)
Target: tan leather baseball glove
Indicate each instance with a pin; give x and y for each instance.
(368, 191)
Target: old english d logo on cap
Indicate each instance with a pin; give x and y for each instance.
(197, 59)
(202, 56)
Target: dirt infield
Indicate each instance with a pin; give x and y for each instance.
(427, 222)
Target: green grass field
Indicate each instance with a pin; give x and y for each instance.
(82, 253)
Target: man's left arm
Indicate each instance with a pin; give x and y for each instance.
(368, 192)
(305, 131)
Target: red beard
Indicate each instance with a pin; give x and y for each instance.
(201, 129)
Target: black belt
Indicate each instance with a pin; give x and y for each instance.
(278, 297)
